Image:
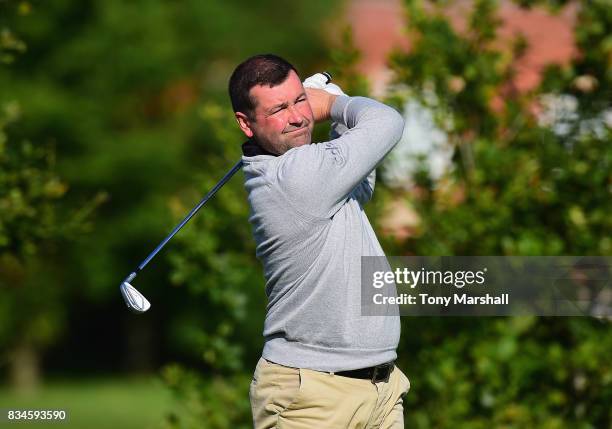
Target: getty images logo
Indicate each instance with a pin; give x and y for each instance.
(414, 278)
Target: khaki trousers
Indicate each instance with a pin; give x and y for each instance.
(296, 398)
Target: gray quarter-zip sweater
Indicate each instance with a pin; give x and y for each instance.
(311, 232)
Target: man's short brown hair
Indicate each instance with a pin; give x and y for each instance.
(263, 69)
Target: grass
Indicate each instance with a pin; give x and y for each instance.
(95, 404)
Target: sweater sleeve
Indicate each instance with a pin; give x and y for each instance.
(319, 178)
(365, 189)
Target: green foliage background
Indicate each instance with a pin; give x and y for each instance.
(516, 187)
(115, 121)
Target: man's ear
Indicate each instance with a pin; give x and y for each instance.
(244, 123)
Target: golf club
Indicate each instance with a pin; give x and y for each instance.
(136, 301)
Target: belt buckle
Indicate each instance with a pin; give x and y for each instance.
(385, 366)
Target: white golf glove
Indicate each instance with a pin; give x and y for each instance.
(318, 81)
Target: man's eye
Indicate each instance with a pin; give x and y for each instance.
(301, 99)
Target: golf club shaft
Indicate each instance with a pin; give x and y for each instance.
(193, 211)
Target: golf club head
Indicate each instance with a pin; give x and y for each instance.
(135, 301)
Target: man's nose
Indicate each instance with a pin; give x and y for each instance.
(295, 116)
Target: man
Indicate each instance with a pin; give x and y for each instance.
(323, 364)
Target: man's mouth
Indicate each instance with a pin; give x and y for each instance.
(297, 131)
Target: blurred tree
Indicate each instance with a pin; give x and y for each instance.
(133, 95)
(34, 222)
(345, 57)
(119, 88)
(520, 184)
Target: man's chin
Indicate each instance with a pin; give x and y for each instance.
(301, 139)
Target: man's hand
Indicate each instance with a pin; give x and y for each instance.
(322, 81)
(321, 103)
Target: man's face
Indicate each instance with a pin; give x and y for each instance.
(282, 118)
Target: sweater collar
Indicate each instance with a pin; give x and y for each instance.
(251, 148)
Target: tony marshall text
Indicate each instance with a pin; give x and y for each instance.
(426, 299)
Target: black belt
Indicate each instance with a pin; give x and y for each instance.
(374, 373)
